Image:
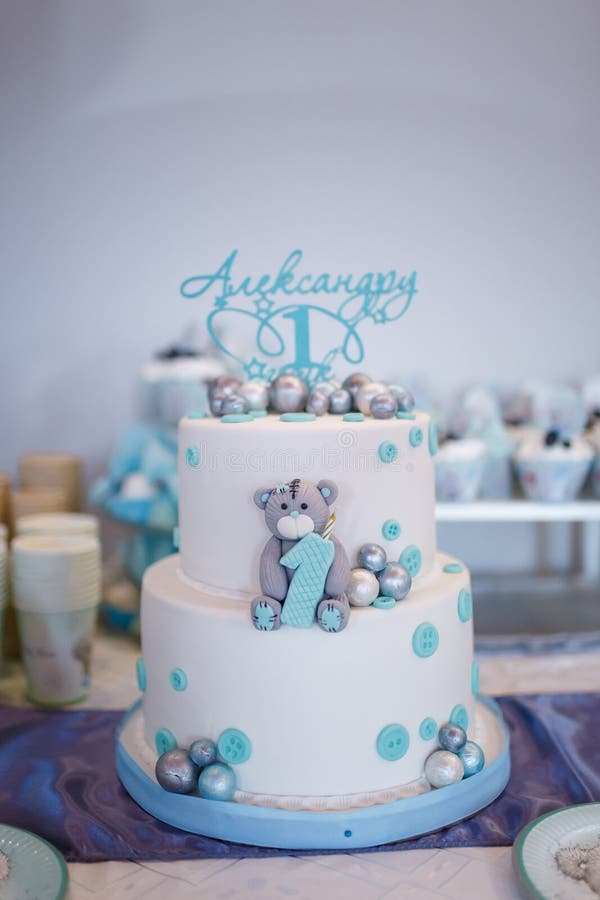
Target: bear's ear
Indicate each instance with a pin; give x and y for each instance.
(329, 490)
(261, 497)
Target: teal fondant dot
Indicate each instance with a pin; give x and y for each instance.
(233, 746)
(460, 716)
(475, 677)
(164, 740)
(178, 680)
(297, 417)
(353, 417)
(392, 742)
(391, 529)
(433, 438)
(257, 413)
(415, 436)
(410, 558)
(234, 418)
(387, 452)
(384, 602)
(428, 729)
(453, 568)
(425, 639)
(465, 605)
(176, 537)
(196, 415)
(192, 457)
(325, 491)
(406, 415)
(140, 671)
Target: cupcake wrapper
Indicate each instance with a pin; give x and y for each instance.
(552, 481)
(458, 480)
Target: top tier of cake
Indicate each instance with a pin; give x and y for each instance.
(383, 469)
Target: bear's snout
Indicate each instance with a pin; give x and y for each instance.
(295, 525)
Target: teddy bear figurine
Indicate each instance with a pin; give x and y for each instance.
(304, 570)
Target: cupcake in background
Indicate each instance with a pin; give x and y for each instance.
(460, 460)
(484, 423)
(591, 398)
(553, 463)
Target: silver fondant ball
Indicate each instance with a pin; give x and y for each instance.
(327, 387)
(442, 768)
(288, 393)
(256, 394)
(404, 398)
(363, 588)
(234, 404)
(367, 392)
(383, 406)
(340, 402)
(372, 557)
(175, 772)
(317, 403)
(217, 782)
(227, 384)
(452, 737)
(203, 752)
(395, 581)
(354, 382)
(472, 758)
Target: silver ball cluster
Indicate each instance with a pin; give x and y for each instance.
(288, 393)
(182, 771)
(374, 577)
(456, 757)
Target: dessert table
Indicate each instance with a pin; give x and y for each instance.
(460, 873)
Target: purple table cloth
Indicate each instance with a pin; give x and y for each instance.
(57, 779)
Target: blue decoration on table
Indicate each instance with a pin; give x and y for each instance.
(391, 529)
(311, 558)
(392, 742)
(428, 729)
(415, 436)
(178, 680)
(465, 605)
(410, 558)
(453, 568)
(387, 452)
(472, 757)
(140, 671)
(164, 740)
(283, 332)
(475, 677)
(460, 716)
(176, 772)
(203, 752)
(233, 746)
(217, 782)
(452, 736)
(425, 640)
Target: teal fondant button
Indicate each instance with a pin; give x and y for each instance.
(392, 742)
(387, 452)
(178, 680)
(465, 605)
(415, 436)
(425, 639)
(453, 568)
(140, 671)
(410, 558)
(405, 415)
(428, 729)
(390, 529)
(164, 740)
(234, 418)
(384, 602)
(433, 438)
(353, 417)
(460, 716)
(233, 746)
(297, 417)
(475, 677)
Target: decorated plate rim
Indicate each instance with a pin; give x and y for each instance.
(62, 864)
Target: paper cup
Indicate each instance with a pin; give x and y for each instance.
(552, 480)
(56, 585)
(58, 523)
(52, 470)
(39, 500)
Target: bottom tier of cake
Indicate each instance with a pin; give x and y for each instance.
(308, 720)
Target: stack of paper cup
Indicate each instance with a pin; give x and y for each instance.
(56, 471)
(58, 523)
(27, 501)
(56, 590)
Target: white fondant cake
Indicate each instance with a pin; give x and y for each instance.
(317, 720)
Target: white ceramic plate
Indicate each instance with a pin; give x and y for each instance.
(30, 867)
(557, 857)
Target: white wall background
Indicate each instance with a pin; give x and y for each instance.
(142, 141)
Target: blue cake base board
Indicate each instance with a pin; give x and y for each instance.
(301, 830)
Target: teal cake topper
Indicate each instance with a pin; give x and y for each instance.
(284, 307)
